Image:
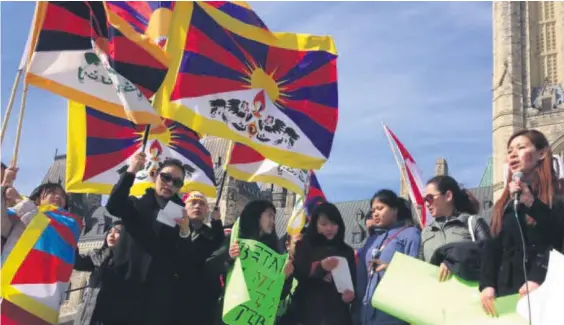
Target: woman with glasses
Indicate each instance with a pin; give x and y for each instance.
(394, 232)
(455, 213)
(150, 249)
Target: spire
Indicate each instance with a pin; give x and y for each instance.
(441, 167)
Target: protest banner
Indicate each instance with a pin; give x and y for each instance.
(254, 285)
(411, 291)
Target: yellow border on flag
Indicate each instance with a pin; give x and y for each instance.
(175, 111)
(143, 41)
(76, 161)
(14, 261)
(271, 179)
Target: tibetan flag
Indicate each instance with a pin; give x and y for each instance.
(240, 11)
(100, 145)
(248, 165)
(143, 21)
(412, 175)
(84, 51)
(36, 274)
(315, 195)
(274, 92)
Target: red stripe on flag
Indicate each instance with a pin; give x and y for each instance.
(324, 75)
(198, 42)
(97, 164)
(323, 115)
(123, 50)
(243, 154)
(282, 60)
(196, 86)
(107, 130)
(40, 267)
(59, 19)
(15, 315)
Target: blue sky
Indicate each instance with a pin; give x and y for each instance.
(424, 68)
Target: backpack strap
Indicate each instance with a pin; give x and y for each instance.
(471, 228)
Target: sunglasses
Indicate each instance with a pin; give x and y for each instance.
(430, 198)
(167, 178)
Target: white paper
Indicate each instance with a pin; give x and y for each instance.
(546, 301)
(342, 275)
(170, 214)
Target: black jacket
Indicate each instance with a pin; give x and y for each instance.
(316, 300)
(198, 291)
(502, 263)
(153, 254)
(109, 298)
(463, 259)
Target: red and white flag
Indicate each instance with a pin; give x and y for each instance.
(413, 176)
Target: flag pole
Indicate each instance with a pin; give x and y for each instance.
(19, 129)
(15, 86)
(10, 104)
(224, 175)
(402, 169)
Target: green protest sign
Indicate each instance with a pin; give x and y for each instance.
(254, 285)
(410, 290)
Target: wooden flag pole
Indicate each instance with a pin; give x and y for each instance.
(10, 104)
(402, 171)
(15, 86)
(19, 129)
(224, 175)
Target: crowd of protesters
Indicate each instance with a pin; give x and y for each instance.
(148, 273)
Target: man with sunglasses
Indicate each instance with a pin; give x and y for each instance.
(152, 254)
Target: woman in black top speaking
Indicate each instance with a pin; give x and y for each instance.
(515, 259)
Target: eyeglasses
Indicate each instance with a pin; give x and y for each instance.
(167, 178)
(430, 198)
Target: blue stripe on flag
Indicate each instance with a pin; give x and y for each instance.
(51, 243)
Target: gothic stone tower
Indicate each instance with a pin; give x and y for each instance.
(528, 75)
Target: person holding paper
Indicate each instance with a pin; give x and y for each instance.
(316, 299)
(395, 233)
(151, 248)
(198, 291)
(456, 221)
(537, 222)
(257, 222)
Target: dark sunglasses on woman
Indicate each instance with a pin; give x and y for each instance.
(167, 178)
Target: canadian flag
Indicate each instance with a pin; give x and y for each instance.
(412, 175)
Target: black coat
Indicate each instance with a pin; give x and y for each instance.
(463, 259)
(316, 300)
(198, 291)
(108, 297)
(502, 263)
(153, 254)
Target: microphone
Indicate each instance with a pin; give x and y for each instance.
(516, 178)
(374, 256)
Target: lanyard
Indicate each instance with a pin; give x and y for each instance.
(389, 239)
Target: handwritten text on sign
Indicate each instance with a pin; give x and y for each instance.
(264, 279)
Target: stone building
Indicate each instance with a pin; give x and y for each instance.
(528, 75)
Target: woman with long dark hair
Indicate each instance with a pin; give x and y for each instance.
(515, 259)
(456, 220)
(105, 301)
(257, 222)
(316, 300)
(394, 232)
